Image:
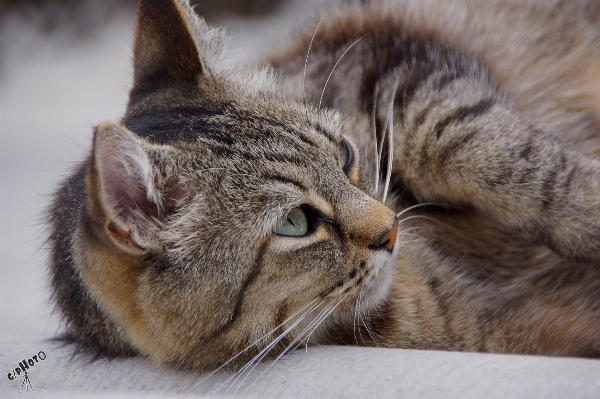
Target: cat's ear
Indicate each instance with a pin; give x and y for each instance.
(165, 50)
(126, 185)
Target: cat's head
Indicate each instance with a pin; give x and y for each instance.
(220, 212)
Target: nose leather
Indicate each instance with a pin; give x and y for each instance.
(389, 239)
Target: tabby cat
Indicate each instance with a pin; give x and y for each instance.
(411, 173)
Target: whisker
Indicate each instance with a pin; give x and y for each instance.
(261, 355)
(251, 365)
(383, 136)
(410, 208)
(318, 324)
(357, 312)
(409, 234)
(367, 324)
(375, 142)
(379, 314)
(358, 316)
(379, 155)
(330, 307)
(354, 321)
(363, 321)
(425, 217)
(307, 340)
(406, 232)
(256, 342)
(323, 314)
(315, 324)
(306, 60)
(390, 143)
(409, 241)
(333, 69)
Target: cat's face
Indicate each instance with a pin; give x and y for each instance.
(249, 214)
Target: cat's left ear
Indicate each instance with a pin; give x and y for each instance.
(165, 49)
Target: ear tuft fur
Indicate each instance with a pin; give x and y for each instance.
(127, 184)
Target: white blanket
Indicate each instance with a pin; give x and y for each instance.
(318, 372)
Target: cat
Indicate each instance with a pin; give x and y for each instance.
(410, 173)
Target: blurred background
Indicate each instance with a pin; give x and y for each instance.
(65, 66)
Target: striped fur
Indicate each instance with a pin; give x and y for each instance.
(462, 119)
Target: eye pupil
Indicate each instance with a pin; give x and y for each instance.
(293, 224)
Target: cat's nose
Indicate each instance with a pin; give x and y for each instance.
(388, 240)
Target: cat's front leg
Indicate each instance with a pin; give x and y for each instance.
(485, 155)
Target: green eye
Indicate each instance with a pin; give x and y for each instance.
(294, 224)
(345, 154)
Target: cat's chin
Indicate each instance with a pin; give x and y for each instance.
(378, 283)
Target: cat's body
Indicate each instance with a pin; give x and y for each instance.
(172, 241)
(458, 69)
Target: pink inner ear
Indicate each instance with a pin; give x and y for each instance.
(124, 190)
(125, 235)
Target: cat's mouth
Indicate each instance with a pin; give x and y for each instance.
(367, 284)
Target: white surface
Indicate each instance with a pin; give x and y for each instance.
(319, 372)
(53, 90)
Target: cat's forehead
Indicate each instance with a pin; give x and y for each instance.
(230, 129)
(260, 158)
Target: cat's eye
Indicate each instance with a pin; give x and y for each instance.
(293, 224)
(345, 155)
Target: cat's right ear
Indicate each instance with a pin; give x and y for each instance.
(127, 185)
(165, 50)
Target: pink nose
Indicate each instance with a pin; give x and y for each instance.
(389, 239)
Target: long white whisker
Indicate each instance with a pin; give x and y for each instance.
(439, 222)
(410, 234)
(379, 314)
(315, 322)
(359, 317)
(367, 323)
(390, 143)
(412, 228)
(424, 217)
(354, 321)
(260, 356)
(306, 60)
(375, 143)
(249, 367)
(328, 309)
(417, 206)
(333, 69)
(318, 324)
(314, 325)
(409, 241)
(328, 312)
(379, 155)
(256, 342)
(407, 232)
